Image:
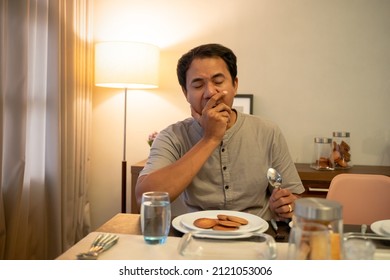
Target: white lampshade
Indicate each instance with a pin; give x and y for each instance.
(129, 65)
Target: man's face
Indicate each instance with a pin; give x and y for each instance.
(206, 77)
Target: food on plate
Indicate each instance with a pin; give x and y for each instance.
(222, 217)
(229, 224)
(223, 222)
(240, 220)
(223, 228)
(205, 223)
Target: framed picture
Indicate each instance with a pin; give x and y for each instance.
(243, 103)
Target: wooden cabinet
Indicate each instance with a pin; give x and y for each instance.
(316, 182)
(135, 170)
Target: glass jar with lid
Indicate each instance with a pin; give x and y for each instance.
(322, 156)
(341, 150)
(322, 211)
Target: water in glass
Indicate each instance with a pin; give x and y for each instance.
(155, 217)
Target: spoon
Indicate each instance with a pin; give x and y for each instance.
(274, 178)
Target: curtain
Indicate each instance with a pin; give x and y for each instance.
(45, 112)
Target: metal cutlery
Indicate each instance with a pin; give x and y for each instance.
(274, 178)
(274, 225)
(102, 243)
(372, 236)
(363, 229)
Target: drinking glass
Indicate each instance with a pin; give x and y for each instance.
(359, 249)
(248, 246)
(155, 217)
(309, 241)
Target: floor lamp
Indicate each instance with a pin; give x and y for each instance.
(126, 65)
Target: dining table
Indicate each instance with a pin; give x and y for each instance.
(131, 245)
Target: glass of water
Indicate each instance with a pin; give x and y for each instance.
(359, 249)
(155, 217)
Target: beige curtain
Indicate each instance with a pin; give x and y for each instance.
(45, 109)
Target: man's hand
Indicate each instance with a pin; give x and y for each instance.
(282, 203)
(214, 117)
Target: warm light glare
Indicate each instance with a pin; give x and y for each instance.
(126, 65)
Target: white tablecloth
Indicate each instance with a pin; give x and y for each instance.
(133, 247)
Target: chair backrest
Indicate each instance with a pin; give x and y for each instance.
(365, 197)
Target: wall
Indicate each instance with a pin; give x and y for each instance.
(313, 66)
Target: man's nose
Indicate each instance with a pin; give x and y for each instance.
(211, 89)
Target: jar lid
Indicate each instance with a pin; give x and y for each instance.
(318, 209)
(341, 134)
(324, 140)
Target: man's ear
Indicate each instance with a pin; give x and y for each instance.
(235, 85)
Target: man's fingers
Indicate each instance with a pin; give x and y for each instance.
(215, 100)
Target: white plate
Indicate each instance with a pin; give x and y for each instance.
(255, 224)
(381, 227)
(386, 226)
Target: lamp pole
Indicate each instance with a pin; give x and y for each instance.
(128, 65)
(124, 162)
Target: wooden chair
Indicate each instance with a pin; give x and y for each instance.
(365, 197)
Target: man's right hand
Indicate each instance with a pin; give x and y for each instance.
(214, 118)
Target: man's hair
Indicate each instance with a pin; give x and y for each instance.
(206, 51)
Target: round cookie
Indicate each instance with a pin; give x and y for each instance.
(239, 220)
(205, 223)
(222, 217)
(223, 228)
(229, 224)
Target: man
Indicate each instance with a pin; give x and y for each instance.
(218, 159)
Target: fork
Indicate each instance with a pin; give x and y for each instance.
(102, 243)
(278, 236)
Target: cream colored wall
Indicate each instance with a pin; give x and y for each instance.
(313, 66)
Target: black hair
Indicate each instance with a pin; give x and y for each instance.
(206, 51)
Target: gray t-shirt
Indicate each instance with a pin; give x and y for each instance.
(234, 177)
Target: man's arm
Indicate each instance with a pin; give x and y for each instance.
(175, 177)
